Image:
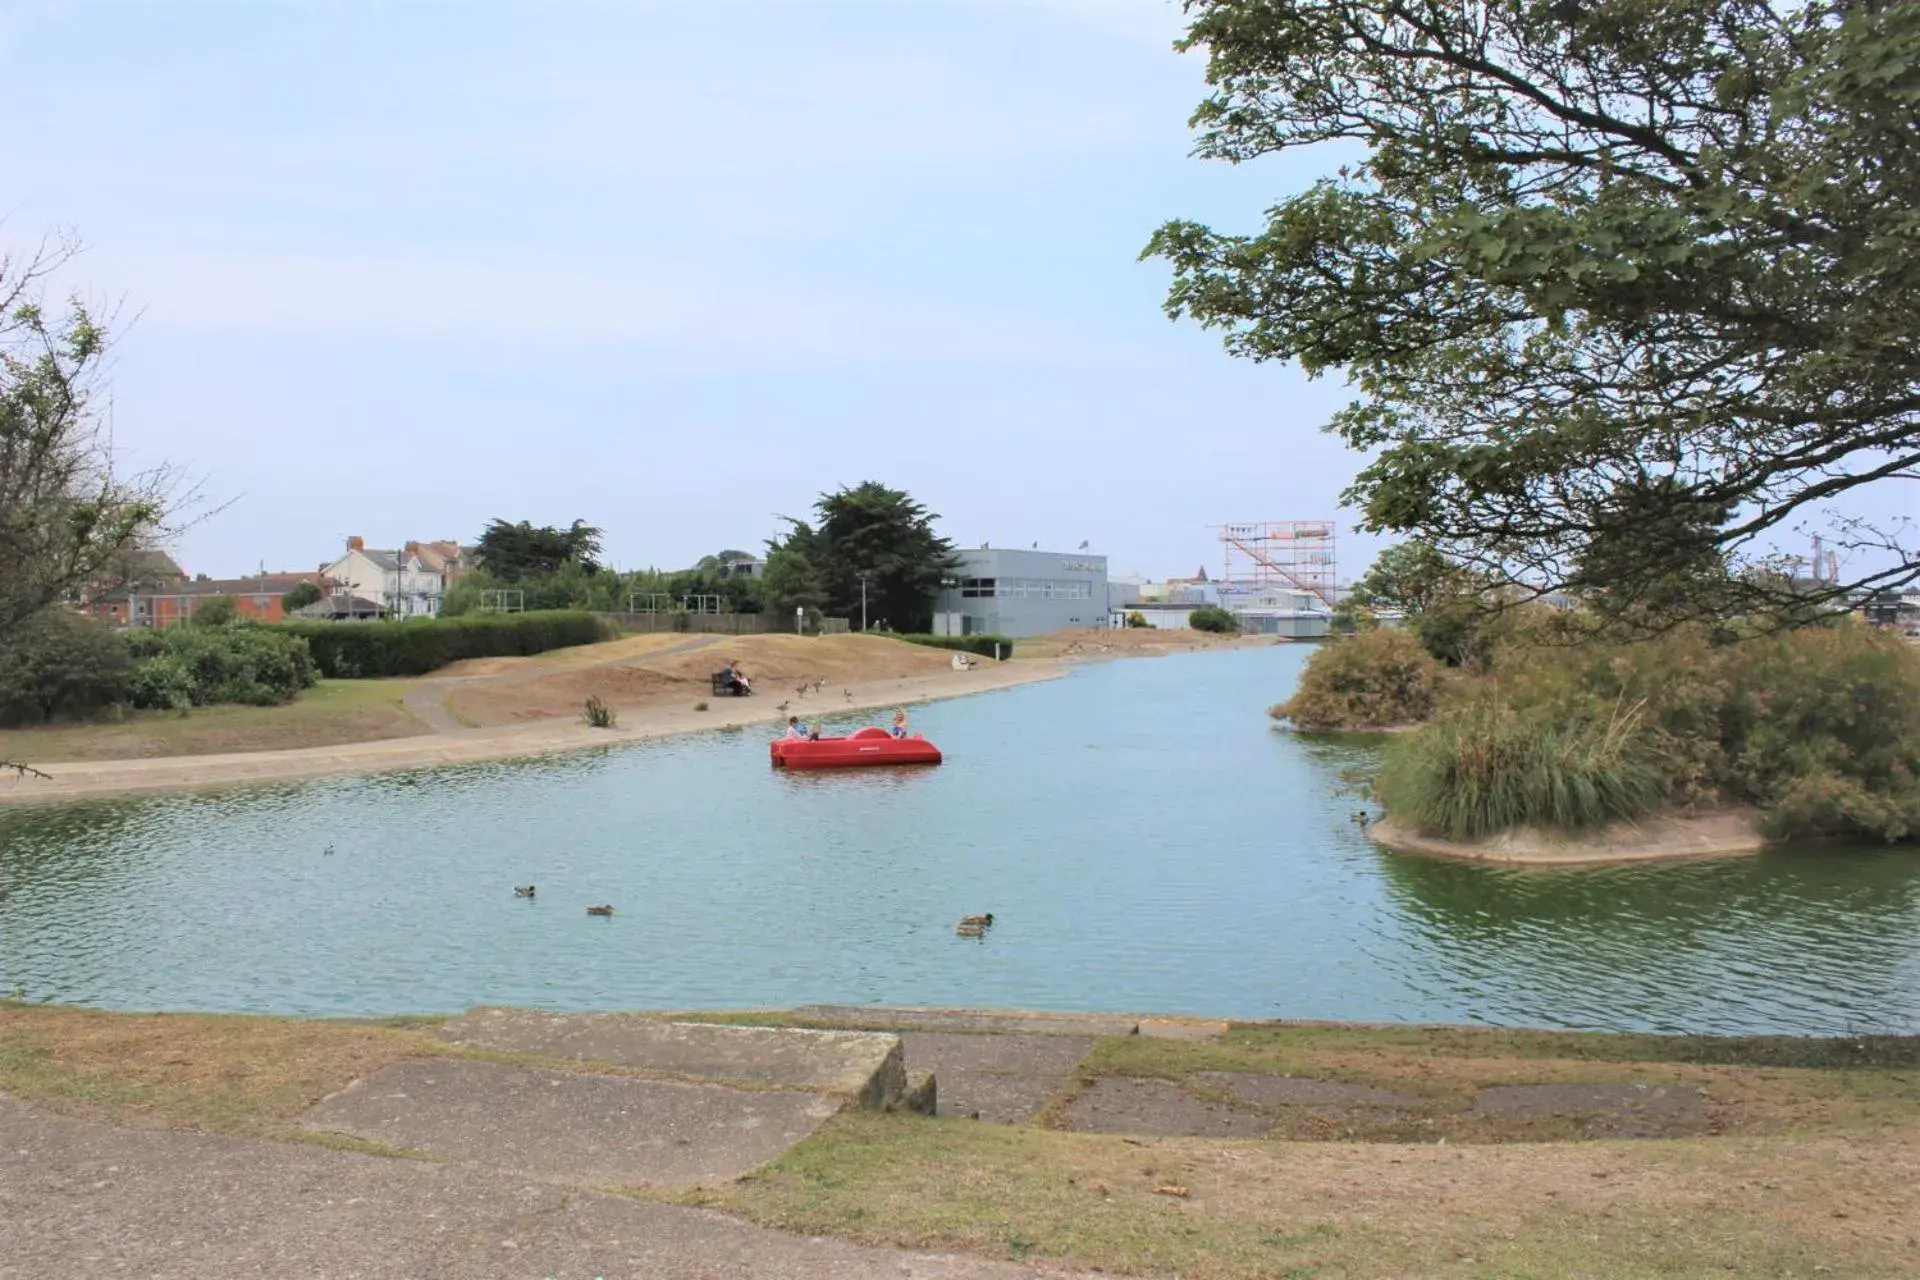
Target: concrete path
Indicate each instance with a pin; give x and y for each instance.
(80, 1199)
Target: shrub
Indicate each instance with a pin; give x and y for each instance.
(419, 645)
(1210, 617)
(597, 713)
(214, 611)
(61, 664)
(1368, 681)
(984, 645)
(299, 596)
(1482, 768)
(203, 665)
(1137, 619)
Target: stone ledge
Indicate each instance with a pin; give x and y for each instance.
(1710, 835)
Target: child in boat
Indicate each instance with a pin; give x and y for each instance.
(796, 732)
(899, 729)
(813, 734)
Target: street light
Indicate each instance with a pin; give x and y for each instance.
(864, 575)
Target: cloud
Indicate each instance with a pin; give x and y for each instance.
(426, 299)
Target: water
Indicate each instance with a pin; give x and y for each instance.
(1146, 841)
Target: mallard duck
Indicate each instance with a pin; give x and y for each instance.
(523, 891)
(971, 930)
(976, 922)
(599, 911)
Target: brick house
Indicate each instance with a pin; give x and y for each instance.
(166, 604)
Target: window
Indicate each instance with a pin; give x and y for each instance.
(976, 588)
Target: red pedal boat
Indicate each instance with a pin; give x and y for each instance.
(862, 747)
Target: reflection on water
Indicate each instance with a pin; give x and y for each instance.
(1145, 840)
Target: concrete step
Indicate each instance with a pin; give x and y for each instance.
(866, 1068)
(970, 1020)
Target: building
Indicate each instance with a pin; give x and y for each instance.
(444, 556)
(259, 597)
(1280, 611)
(997, 591)
(400, 582)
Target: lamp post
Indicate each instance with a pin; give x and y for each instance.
(864, 575)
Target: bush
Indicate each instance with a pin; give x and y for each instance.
(237, 663)
(597, 713)
(299, 596)
(983, 645)
(419, 645)
(1817, 728)
(1371, 680)
(214, 611)
(1137, 619)
(1483, 768)
(1210, 617)
(60, 664)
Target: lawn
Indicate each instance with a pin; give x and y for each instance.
(329, 714)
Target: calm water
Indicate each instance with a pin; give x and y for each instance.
(1146, 841)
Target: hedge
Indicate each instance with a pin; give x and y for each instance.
(983, 645)
(416, 646)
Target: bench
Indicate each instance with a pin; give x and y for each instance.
(725, 685)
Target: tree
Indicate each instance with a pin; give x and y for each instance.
(299, 596)
(792, 579)
(512, 552)
(67, 514)
(1602, 267)
(1408, 577)
(61, 663)
(214, 611)
(1211, 617)
(883, 537)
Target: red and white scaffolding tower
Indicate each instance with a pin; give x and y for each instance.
(1293, 554)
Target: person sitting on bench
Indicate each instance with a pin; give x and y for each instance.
(734, 679)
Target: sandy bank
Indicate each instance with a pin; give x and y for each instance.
(1711, 835)
(470, 746)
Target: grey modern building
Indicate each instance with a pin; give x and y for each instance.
(1011, 593)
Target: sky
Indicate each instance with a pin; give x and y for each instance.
(396, 269)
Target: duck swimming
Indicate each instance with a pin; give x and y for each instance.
(599, 911)
(523, 891)
(978, 922)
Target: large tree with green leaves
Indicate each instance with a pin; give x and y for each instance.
(866, 534)
(511, 552)
(1626, 288)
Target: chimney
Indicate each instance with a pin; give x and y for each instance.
(356, 544)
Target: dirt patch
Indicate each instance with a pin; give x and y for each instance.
(562, 694)
(1708, 835)
(1608, 1110)
(1160, 1108)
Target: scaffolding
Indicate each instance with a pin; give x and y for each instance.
(1296, 555)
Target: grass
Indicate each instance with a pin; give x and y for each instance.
(1482, 768)
(1820, 1171)
(330, 713)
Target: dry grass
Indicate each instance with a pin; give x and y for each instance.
(1339, 1210)
(329, 714)
(1133, 642)
(221, 1074)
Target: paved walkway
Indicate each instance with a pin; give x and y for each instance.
(81, 1199)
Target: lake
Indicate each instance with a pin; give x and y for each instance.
(1144, 838)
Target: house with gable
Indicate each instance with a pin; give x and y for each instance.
(402, 583)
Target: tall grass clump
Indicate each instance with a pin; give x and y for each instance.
(1372, 680)
(1481, 767)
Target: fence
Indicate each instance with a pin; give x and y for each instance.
(732, 624)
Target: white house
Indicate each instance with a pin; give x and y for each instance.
(397, 581)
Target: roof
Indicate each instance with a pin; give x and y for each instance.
(340, 606)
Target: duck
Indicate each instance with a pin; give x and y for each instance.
(600, 911)
(976, 922)
(971, 930)
(1360, 817)
(523, 891)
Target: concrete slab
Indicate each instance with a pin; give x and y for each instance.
(1004, 1079)
(865, 1066)
(1161, 1108)
(578, 1127)
(80, 1199)
(963, 1020)
(1297, 1091)
(1609, 1110)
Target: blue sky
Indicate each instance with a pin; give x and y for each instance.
(673, 268)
